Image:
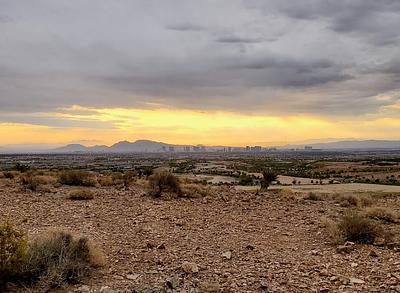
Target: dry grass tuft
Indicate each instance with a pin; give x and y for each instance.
(81, 194)
(333, 231)
(383, 214)
(194, 190)
(348, 200)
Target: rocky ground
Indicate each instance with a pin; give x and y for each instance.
(229, 241)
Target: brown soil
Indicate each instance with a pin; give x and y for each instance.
(277, 242)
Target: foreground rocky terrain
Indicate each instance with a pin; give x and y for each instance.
(227, 241)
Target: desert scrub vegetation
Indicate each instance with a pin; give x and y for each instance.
(59, 258)
(81, 194)
(354, 227)
(380, 213)
(49, 261)
(13, 253)
(313, 196)
(164, 182)
(76, 178)
(192, 190)
(348, 200)
(268, 177)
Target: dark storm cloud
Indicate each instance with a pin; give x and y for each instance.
(311, 56)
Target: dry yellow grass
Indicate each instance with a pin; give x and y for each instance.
(81, 194)
(381, 213)
(195, 190)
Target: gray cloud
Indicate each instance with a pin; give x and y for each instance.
(314, 56)
(237, 39)
(185, 27)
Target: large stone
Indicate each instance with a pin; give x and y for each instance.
(356, 281)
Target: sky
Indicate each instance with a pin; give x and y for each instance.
(216, 72)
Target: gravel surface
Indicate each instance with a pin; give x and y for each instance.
(229, 241)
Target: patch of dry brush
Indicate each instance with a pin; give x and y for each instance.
(51, 260)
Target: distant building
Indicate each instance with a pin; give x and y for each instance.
(308, 148)
(171, 149)
(186, 148)
(247, 148)
(256, 149)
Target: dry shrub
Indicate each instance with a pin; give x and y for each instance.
(2, 175)
(106, 180)
(30, 181)
(81, 194)
(58, 258)
(287, 194)
(129, 177)
(76, 178)
(347, 200)
(357, 228)
(164, 182)
(313, 196)
(13, 246)
(380, 213)
(9, 174)
(194, 190)
(332, 230)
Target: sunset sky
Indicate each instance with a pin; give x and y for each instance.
(216, 72)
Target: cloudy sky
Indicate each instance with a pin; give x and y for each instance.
(212, 71)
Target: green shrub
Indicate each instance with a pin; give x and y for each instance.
(76, 178)
(13, 255)
(162, 182)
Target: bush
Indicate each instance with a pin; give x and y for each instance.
(357, 228)
(21, 167)
(30, 181)
(8, 175)
(384, 214)
(161, 182)
(59, 258)
(268, 178)
(347, 200)
(76, 178)
(13, 246)
(313, 196)
(194, 190)
(128, 177)
(81, 194)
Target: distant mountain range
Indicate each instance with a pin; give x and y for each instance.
(149, 146)
(139, 146)
(350, 144)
